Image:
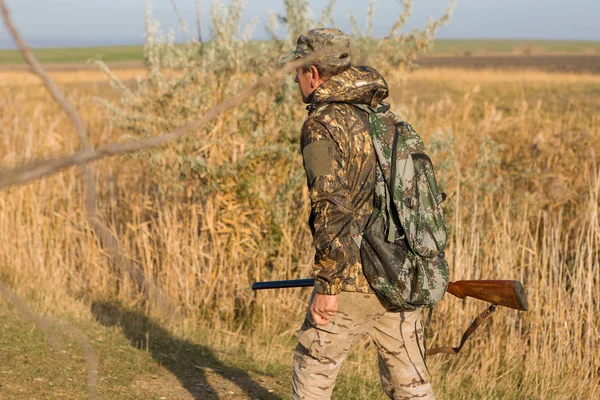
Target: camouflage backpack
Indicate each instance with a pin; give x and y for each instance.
(402, 247)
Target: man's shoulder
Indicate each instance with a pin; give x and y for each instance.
(333, 114)
(335, 121)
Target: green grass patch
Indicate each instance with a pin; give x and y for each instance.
(442, 46)
(77, 54)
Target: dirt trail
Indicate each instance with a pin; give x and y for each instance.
(138, 360)
(217, 387)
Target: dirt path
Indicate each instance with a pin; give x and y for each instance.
(138, 360)
(214, 386)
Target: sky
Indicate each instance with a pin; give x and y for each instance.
(71, 23)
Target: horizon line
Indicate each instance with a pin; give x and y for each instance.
(108, 43)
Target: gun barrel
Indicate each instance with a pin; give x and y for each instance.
(283, 284)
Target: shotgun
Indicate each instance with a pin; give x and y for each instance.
(503, 293)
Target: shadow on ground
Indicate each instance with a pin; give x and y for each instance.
(189, 362)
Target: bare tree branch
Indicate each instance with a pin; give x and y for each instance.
(401, 21)
(38, 169)
(199, 26)
(43, 324)
(107, 239)
(39, 70)
(184, 24)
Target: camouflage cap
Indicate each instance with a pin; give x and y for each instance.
(317, 39)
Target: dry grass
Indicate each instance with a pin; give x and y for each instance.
(8, 78)
(517, 152)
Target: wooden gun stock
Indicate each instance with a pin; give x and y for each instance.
(504, 293)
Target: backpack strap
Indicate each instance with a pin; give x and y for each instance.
(385, 188)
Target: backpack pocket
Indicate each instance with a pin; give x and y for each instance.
(415, 194)
(428, 237)
(402, 278)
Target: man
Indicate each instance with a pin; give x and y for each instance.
(340, 165)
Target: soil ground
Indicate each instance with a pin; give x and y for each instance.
(579, 63)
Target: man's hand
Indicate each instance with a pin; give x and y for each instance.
(323, 307)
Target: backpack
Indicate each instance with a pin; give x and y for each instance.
(402, 246)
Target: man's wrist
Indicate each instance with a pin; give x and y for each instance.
(328, 288)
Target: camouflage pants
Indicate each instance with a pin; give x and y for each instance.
(398, 337)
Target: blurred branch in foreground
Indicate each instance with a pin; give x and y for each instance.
(107, 239)
(48, 325)
(38, 169)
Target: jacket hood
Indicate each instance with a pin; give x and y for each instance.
(356, 85)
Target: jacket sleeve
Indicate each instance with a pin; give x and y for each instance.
(332, 213)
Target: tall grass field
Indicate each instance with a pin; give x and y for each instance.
(158, 305)
(517, 153)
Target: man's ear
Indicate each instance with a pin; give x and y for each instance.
(316, 78)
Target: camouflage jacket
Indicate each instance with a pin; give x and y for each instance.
(340, 165)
